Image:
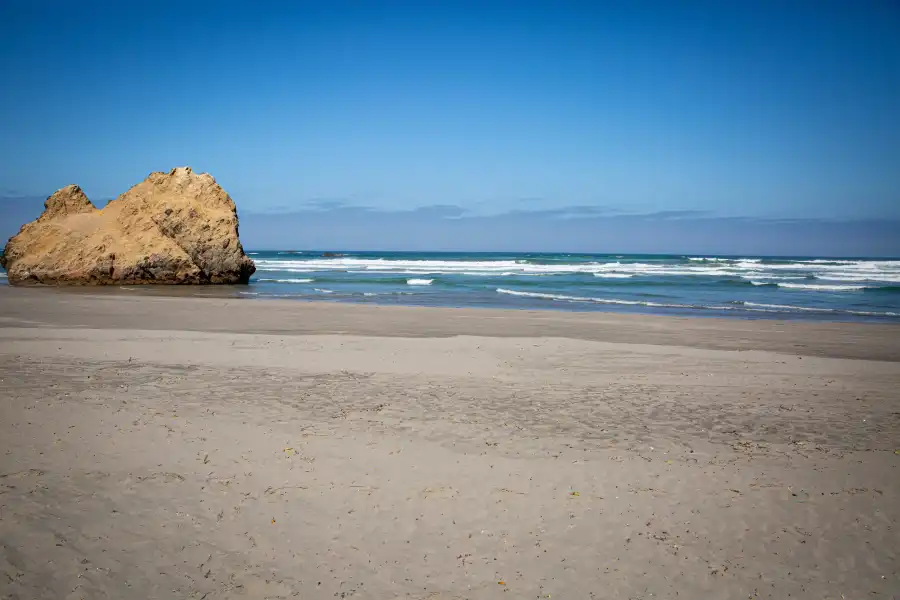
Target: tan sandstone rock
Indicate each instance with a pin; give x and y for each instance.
(178, 227)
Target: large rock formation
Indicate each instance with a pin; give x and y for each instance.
(176, 227)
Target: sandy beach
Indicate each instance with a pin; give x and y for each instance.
(178, 447)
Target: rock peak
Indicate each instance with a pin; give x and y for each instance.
(69, 200)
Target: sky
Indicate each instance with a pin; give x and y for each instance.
(757, 127)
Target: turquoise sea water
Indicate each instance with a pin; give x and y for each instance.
(748, 287)
(745, 286)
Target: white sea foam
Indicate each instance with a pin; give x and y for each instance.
(784, 307)
(564, 298)
(538, 295)
(419, 281)
(867, 267)
(3, 276)
(762, 275)
(878, 277)
(287, 280)
(822, 287)
(836, 271)
(745, 306)
(426, 267)
(323, 291)
(788, 307)
(828, 261)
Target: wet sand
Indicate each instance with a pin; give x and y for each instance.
(159, 447)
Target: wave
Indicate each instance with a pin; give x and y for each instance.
(791, 308)
(716, 259)
(286, 280)
(747, 268)
(829, 261)
(323, 291)
(822, 287)
(564, 298)
(484, 268)
(762, 275)
(873, 277)
(823, 266)
(736, 305)
(419, 281)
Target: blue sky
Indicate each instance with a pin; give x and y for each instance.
(743, 127)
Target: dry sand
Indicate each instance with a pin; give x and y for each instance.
(155, 447)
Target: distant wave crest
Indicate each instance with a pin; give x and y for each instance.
(746, 268)
(803, 286)
(821, 287)
(288, 280)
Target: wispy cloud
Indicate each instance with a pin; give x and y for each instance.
(327, 204)
(676, 214)
(336, 224)
(452, 211)
(567, 229)
(442, 211)
(565, 212)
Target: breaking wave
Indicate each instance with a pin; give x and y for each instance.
(289, 280)
(804, 287)
(735, 305)
(822, 287)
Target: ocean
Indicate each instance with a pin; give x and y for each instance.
(748, 287)
(734, 286)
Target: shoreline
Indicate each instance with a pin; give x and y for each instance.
(675, 285)
(745, 287)
(84, 307)
(742, 310)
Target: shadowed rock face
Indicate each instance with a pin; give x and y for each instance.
(178, 227)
